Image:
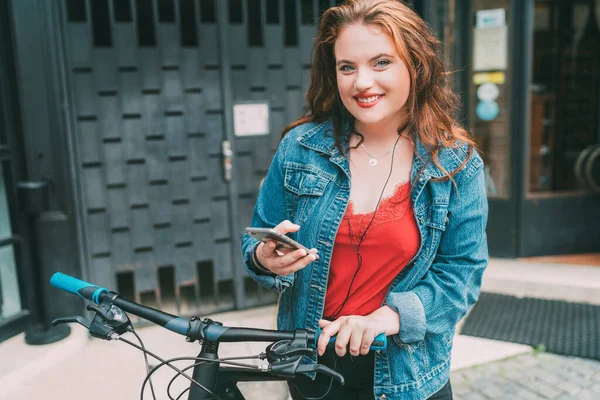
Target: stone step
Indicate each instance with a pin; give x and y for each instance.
(552, 281)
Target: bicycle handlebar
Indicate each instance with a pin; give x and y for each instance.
(78, 287)
(284, 354)
(183, 326)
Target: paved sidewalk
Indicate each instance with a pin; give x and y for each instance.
(530, 377)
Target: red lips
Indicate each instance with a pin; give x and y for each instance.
(363, 96)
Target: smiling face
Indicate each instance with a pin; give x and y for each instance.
(372, 79)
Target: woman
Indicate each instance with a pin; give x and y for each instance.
(379, 180)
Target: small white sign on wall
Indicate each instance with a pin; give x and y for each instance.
(490, 49)
(494, 18)
(251, 119)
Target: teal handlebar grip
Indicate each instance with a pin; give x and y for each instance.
(77, 286)
(379, 343)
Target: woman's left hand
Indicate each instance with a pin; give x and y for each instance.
(357, 332)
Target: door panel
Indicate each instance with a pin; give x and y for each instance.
(148, 127)
(10, 297)
(565, 96)
(560, 209)
(152, 86)
(16, 293)
(560, 225)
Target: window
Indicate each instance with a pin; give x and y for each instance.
(565, 97)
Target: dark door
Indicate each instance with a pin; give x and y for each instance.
(165, 186)
(267, 46)
(15, 278)
(35, 165)
(533, 105)
(13, 305)
(144, 80)
(561, 204)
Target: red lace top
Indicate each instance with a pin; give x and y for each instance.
(391, 242)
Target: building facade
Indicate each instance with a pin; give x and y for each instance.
(532, 99)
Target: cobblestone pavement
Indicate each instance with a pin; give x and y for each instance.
(529, 377)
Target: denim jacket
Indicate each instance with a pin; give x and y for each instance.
(308, 183)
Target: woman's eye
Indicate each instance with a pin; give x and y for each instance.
(382, 63)
(345, 68)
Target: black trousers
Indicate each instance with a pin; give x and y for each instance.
(358, 373)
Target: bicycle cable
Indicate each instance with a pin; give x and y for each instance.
(132, 330)
(169, 361)
(176, 376)
(203, 360)
(163, 362)
(195, 364)
(182, 393)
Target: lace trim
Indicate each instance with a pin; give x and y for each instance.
(391, 208)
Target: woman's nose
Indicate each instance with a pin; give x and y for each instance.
(363, 81)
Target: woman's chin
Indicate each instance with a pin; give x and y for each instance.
(367, 119)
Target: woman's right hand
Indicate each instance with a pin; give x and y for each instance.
(284, 261)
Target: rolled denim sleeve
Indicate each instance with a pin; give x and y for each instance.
(451, 285)
(269, 211)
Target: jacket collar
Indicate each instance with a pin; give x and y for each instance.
(320, 137)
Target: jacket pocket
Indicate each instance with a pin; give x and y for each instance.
(437, 221)
(304, 185)
(439, 216)
(403, 363)
(417, 363)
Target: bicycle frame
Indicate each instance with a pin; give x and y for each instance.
(222, 381)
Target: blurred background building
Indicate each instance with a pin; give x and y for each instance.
(134, 135)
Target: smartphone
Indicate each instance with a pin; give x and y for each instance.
(283, 241)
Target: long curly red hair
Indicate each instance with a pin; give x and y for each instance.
(431, 103)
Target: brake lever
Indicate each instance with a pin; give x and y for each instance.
(111, 316)
(300, 352)
(108, 323)
(321, 369)
(284, 349)
(95, 327)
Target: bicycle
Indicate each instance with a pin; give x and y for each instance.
(210, 379)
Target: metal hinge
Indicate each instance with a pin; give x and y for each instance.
(227, 160)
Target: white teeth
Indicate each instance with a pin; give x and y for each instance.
(368, 99)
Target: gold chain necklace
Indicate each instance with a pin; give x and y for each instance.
(373, 160)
